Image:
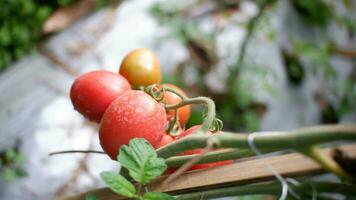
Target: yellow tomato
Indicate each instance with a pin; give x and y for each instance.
(141, 68)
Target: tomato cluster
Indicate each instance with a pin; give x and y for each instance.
(125, 113)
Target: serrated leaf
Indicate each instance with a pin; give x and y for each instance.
(157, 196)
(141, 160)
(119, 184)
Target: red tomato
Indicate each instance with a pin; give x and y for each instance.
(134, 114)
(166, 139)
(92, 93)
(197, 151)
(171, 98)
(213, 164)
(141, 68)
(186, 133)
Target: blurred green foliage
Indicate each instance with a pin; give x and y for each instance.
(12, 165)
(21, 23)
(237, 105)
(20, 26)
(316, 12)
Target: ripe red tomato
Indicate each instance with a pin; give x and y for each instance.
(213, 164)
(92, 93)
(171, 98)
(141, 68)
(198, 151)
(134, 114)
(166, 139)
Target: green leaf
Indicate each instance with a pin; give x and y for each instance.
(119, 184)
(20, 172)
(141, 160)
(157, 196)
(20, 158)
(9, 175)
(91, 197)
(10, 155)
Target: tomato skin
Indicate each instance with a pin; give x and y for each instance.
(186, 133)
(166, 139)
(92, 92)
(134, 114)
(171, 99)
(141, 67)
(213, 164)
(198, 151)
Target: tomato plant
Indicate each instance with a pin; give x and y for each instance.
(92, 93)
(141, 68)
(171, 98)
(134, 114)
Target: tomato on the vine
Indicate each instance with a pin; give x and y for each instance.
(92, 93)
(171, 99)
(198, 151)
(141, 68)
(134, 114)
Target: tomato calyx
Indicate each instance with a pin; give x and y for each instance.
(210, 122)
(174, 128)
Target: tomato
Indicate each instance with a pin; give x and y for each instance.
(92, 93)
(171, 98)
(134, 114)
(213, 164)
(166, 139)
(141, 68)
(198, 151)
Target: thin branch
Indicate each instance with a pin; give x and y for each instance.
(327, 162)
(344, 52)
(234, 70)
(76, 151)
(76, 173)
(190, 163)
(221, 155)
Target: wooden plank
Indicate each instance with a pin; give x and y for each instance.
(250, 171)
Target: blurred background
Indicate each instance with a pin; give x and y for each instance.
(268, 64)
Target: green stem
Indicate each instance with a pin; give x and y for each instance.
(210, 116)
(76, 151)
(273, 189)
(327, 162)
(227, 154)
(297, 139)
(173, 122)
(139, 188)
